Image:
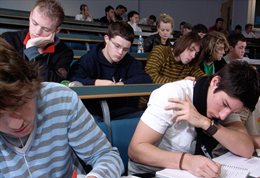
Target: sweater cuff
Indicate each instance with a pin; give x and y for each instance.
(31, 52)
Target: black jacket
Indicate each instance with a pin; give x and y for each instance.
(50, 63)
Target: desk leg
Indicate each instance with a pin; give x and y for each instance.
(106, 117)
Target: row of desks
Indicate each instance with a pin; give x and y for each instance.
(24, 15)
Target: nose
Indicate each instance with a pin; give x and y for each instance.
(224, 113)
(14, 121)
(38, 30)
(120, 51)
(193, 54)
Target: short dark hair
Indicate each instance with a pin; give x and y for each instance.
(152, 17)
(238, 27)
(233, 39)
(248, 25)
(219, 20)
(241, 81)
(200, 28)
(122, 29)
(108, 8)
(121, 7)
(131, 14)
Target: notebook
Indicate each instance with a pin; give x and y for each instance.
(226, 172)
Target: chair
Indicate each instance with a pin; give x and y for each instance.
(122, 132)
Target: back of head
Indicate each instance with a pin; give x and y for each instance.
(234, 39)
(122, 29)
(199, 28)
(18, 78)
(131, 14)
(241, 81)
(165, 18)
(210, 44)
(51, 9)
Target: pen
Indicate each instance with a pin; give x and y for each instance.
(206, 153)
(113, 79)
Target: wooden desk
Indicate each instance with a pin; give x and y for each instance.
(24, 15)
(141, 57)
(98, 92)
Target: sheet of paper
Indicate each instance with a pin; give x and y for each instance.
(252, 164)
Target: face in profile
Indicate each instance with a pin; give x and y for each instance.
(189, 53)
(41, 25)
(116, 48)
(220, 104)
(219, 51)
(239, 50)
(165, 30)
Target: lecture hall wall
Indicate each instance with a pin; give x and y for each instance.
(193, 11)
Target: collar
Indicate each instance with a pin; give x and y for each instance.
(50, 48)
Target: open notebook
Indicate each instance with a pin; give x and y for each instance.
(226, 172)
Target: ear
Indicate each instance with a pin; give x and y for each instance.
(214, 81)
(57, 30)
(231, 48)
(106, 38)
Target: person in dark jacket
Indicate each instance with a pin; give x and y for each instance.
(39, 44)
(165, 27)
(110, 63)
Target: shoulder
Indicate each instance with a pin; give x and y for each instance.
(176, 89)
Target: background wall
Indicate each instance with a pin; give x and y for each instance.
(192, 11)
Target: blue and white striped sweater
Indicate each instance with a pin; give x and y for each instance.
(63, 125)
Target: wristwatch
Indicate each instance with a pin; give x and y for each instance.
(213, 128)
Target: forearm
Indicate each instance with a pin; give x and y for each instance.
(235, 140)
(147, 154)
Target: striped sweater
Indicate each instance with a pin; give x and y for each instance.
(63, 127)
(162, 67)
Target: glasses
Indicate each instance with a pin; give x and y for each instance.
(119, 47)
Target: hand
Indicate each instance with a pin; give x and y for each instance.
(40, 42)
(100, 82)
(119, 83)
(201, 166)
(190, 78)
(185, 110)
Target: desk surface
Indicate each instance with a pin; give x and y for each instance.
(98, 92)
(137, 56)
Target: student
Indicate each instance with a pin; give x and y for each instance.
(133, 20)
(151, 20)
(249, 33)
(45, 125)
(218, 26)
(237, 30)
(187, 27)
(84, 14)
(165, 64)
(213, 48)
(165, 27)
(40, 44)
(237, 48)
(185, 115)
(110, 63)
(109, 17)
(200, 29)
(119, 12)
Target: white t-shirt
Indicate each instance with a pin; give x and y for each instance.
(181, 136)
(80, 17)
